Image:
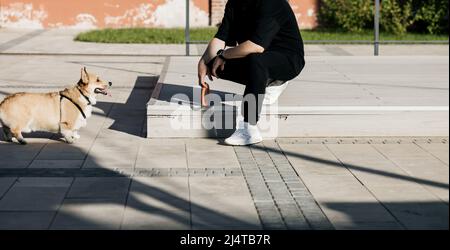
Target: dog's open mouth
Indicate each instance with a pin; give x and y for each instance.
(101, 91)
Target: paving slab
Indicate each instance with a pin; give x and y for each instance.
(411, 204)
(345, 201)
(439, 151)
(225, 194)
(135, 219)
(158, 204)
(162, 154)
(26, 220)
(99, 188)
(35, 194)
(14, 152)
(60, 151)
(5, 184)
(222, 203)
(217, 156)
(159, 194)
(421, 165)
(56, 164)
(89, 214)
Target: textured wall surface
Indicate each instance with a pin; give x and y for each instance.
(87, 14)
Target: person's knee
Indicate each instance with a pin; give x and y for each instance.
(254, 59)
(255, 66)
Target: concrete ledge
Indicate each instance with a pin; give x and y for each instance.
(334, 97)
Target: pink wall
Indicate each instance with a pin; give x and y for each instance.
(86, 14)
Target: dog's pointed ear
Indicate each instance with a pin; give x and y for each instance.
(84, 76)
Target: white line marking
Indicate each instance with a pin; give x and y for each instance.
(363, 108)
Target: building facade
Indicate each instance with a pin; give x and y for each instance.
(91, 14)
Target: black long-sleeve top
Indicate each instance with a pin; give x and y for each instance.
(269, 23)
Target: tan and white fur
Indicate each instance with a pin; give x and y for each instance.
(48, 112)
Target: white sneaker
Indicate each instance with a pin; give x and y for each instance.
(273, 93)
(245, 134)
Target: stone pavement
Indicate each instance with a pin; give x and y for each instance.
(22, 41)
(334, 96)
(114, 178)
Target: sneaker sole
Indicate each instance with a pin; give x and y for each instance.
(242, 144)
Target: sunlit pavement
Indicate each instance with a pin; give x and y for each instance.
(114, 178)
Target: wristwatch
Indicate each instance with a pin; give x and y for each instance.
(220, 54)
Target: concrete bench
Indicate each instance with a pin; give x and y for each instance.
(333, 97)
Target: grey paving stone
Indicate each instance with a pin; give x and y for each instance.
(218, 156)
(219, 220)
(293, 217)
(232, 203)
(35, 194)
(159, 194)
(109, 163)
(56, 164)
(439, 150)
(25, 220)
(12, 152)
(19, 164)
(99, 188)
(5, 184)
(412, 159)
(162, 156)
(61, 151)
(43, 182)
(89, 214)
(137, 219)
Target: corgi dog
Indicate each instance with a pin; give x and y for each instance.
(62, 112)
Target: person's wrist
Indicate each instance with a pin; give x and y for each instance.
(220, 54)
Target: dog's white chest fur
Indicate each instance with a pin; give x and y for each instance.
(81, 122)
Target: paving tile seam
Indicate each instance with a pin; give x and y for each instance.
(408, 173)
(431, 154)
(191, 224)
(9, 188)
(19, 40)
(371, 140)
(120, 172)
(60, 205)
(397, 220)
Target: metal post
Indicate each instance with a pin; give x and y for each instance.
(187, 30)
(1, 14)
(377, 28)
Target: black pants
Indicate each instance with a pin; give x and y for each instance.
(256, 72)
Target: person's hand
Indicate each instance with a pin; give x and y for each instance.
(202, 72)
(219, 63)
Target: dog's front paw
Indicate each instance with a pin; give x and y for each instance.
(70, 139)
(22, 142)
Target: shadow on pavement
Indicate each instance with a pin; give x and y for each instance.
(63, 197)
(362, 169)
(414, 215)
(48, 192)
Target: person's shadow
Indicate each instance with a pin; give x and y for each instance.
(131, 116)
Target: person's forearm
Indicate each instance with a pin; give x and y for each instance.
(244, 49)
(213, 46)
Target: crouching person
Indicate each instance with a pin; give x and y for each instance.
(260, 46)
